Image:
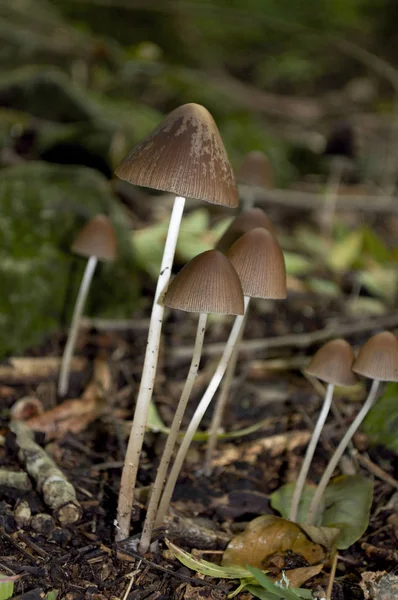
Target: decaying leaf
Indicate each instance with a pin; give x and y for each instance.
(267, 536)
(75, 415)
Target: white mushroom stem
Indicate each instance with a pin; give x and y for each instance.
(198, 416)
(136, 439)
(338, 453)
(63, 382)
(327, 403)
(222, 400)
(172, 437)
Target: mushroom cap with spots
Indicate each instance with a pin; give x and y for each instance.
(97, 238)
(332, 363)
(184, 155)
(207, 284)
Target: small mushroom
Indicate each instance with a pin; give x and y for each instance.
(96, 241)
(332, 363)
(183, 155)
(378, 360)
(259, 262)
(255, 172)
(207, 284)
(244, 222)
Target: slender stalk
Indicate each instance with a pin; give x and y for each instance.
(222, 400)
(172, 437)
(136, 439)
(63, 382)
(332, 575)
(298, 490)
(338, 453)
(197, 417)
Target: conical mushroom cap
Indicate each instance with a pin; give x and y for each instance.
(378, 358)
(247, 220)
(258, 260)
(207, 284)
(184, 155)
(97, 238)
(332, 363)
(256, 170)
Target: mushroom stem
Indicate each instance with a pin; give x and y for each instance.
(172, 437)
(298, 490)
(198, 415)
(136, 439)
(63, 382)
(338, 453)
(222, 401)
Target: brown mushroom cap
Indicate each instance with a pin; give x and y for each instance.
(256, 170)
(207, 284)
(378, 358)
(332, 363)
(184, 155)
(258, 260)
(97, 238)
(244, 222)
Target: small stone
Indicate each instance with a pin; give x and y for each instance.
(60, 536)
(22, 513)
(42, 523)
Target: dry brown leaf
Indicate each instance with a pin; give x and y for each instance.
(297, 577)
(73, 416)
(269, 535)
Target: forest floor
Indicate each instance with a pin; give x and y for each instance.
(86, 436)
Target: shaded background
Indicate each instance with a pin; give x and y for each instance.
(83, 81)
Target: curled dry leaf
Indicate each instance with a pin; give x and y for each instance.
(75, 415)
(269, 535)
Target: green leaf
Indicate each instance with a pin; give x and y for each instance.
(297, 264)
(346, 506)
(155, 424)
(7, 586)
(261, 593)
(205, 567)
(375, 246)
(346, 252)
(381, 423)
(324, 287)
(281, 501)
(52, 595)
(381, 282)
(278, 590)
(348, 499)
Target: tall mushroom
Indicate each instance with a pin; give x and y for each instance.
(207, 284)
(259, 262)
(183, 155)
(332, 363)
(378, 360)
(96, 241)
(244, 222)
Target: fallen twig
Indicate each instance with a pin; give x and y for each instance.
(57, 492)
(298, 340)
(15, 479)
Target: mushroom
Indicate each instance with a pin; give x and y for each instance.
(183, 155)
(255, 172)
(246, 221)
(378, 360)
(332, 363)
(241, 224)
(259, 262)
(207, 284)
(96, 241)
